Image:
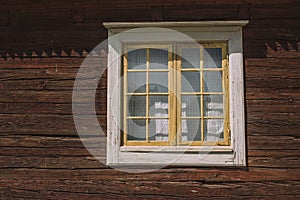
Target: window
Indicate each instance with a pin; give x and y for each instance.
(175, 101)
(170, 100)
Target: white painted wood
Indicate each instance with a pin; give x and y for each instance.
(177, 148)
(113, 100)
(196, 159)
(237, 115)
(234, 155)
(126, 25)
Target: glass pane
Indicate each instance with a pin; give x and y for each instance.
(137, 59)
(136, 106)
(213, 82)
(213, 129)
(190, 58)
(158, 106)
(158, 58)
(213, 105)
(136, 129)
(158, 129)
(190, 106)
(212, 58)
(190, 82)
(190, 130)
(136, 82)
(158, 82)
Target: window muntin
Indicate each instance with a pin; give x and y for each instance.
(193, 110)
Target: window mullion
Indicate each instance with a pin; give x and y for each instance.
(172, 97)
(147, 93)
(201, 93)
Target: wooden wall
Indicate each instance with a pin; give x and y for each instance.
(42, 44)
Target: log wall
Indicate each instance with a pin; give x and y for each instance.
(43, 43)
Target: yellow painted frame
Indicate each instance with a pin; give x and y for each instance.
(174, 94)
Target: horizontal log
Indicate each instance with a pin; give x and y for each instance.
(200, 12)
(40, 63)
(289, 11)
(51, 124)
(52, 78)
(54, 162)
(165, 189)
(176, 174)
(49, 96)
(51, 108)
(259, 142)
(278, 93)
(29, 4)
(270, 29)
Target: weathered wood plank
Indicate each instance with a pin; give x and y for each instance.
(47, 96)
(29, 4)
(50, 78)
(279, 11)
(176, 174)
(48, 124)
(164, 189)
(50, 108)
(40, 63)
(200, 12)
(258, 142)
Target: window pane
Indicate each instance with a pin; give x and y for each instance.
(158, 82)
(158, 129)
(213, 129)
(158, 58)
(190, 106)
(190, 58)
(136, 106)
(212, 58)
(190, 130)
(137, 59)
(213, 82)
(190, 82)
(158, 106)
(213, 105)
(136, 82)
(136, 129)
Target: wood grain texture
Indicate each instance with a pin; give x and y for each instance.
(42, 47)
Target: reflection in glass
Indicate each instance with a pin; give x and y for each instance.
(136, 106)
(158, 129)
(158, 82)
(213, 105)
(137, 59)
(158, 58)
(136, 82)
(158, 106)
(190, 130)
(190, 58)
(190, 105)
(213, 81)
(214, 129)
(212, 58)
(136, 129)
(190, 82)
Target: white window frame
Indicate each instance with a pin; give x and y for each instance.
(233, 155)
